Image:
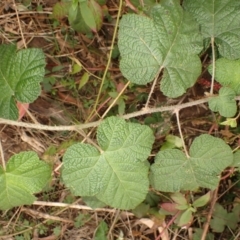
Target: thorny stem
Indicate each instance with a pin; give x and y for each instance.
(95, 124)
(180, 132)
(213, 65)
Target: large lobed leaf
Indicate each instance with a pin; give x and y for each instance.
(173, 171)
(25, 174)
(118, 174)
(20, 75)
(169, 40)
(218, 19)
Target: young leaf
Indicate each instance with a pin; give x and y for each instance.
(232, 122)
(185, 218)
(227, 73)
(118, 175)
(173, 171)
(20, 75)
(218, 19)
(202, 201)
(169, 39)
(24, 175)
(179, 198)
(87, 15)
(225, 103)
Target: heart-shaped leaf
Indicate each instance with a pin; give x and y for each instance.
(168, 40)
(20, 75)
(25, 174)
(173, 171)
(117, 174)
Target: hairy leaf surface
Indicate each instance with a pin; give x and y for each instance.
(224, 103)
(118, 174)
(227, 72)
(218, 19)
(168, 40)
(20, 75)
(173, 171)
(25, 174)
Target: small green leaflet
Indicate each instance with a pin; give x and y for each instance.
(118, 173)
(169, 39)
(20, 75)
(224, 103)
(173, 171)
(25, 175)
(227, 73)
(218, 19)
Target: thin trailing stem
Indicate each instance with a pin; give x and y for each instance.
(213, 65)
(95, 124)
(180, 132)
(19, 24)
(110, 55)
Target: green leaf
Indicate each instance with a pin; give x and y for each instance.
(179, 198)
(236, 159)
(232, 122)
(24, 176)
(20, 75)
(202, 201)
(93, 202)
(168, 40)
(224, 103)
(102, 230)
(117, 174)
(141, 210)
(172, 142)
(218, 19)
(227, 73)
(185, 217)
(218, 221)
(198, 235)
(87, 15)
(60, 10)
(173, 171)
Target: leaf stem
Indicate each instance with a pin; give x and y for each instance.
(152, 88)
(176, 111)
(213, 65)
